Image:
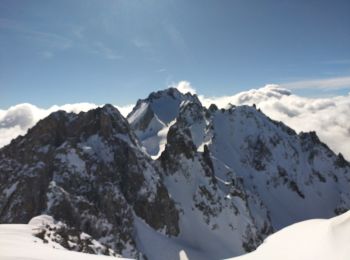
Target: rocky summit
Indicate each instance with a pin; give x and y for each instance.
(172, 179)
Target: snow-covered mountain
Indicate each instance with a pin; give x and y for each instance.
(152, 117)
(295, 176)
(173, 180)
(89, 171)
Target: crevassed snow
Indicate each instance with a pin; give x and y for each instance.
(17, 241)
(317, 239)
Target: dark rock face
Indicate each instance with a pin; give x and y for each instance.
(32, 187)
(341, 162)
(88, 171)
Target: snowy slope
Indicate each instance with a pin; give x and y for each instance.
(18, 241)
(215, 217)
(295, 176)
(316, 239)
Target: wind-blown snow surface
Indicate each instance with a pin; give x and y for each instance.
(316, 239)
(18, 241)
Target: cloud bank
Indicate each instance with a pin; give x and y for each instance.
(184, 87)
(329, 117)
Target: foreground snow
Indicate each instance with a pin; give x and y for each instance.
(317, 239)
(17, 241)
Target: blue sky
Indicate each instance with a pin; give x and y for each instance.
(115, 51)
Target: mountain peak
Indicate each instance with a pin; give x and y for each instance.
(152, 116)
(172, 92)
(59, 126)
(164, 103)
(110, 109)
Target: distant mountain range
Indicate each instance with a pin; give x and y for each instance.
(172, 179)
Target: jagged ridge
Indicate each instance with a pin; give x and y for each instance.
(219, 182)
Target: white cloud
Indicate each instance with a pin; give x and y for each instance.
(337, 62)
(47, 54)
(102, 50)
(329, 117)
(328, 83)
(184, 87)
(175, 36)
(16, 120)
(140, 43)
(52, 43)
(125, 110)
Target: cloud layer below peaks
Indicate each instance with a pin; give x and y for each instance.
(329, 117)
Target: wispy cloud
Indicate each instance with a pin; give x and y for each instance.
(47, 54)
(104, 51)
(78, 31)
(146, 47)
(175, 36)
(49, 40)
(337, 62)
(51, 43)
(140, 43)
(325, 84)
